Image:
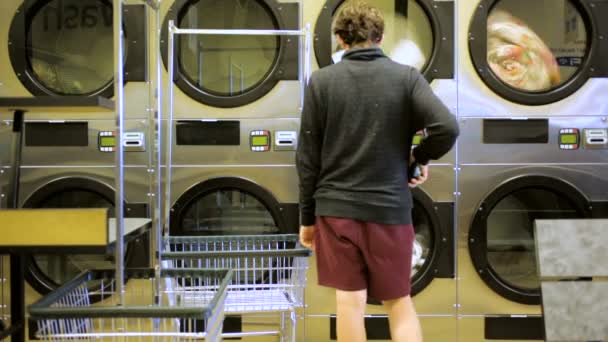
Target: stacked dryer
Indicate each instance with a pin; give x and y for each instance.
(534, 134)
(419, 33)
(236, 114)
(63, 48)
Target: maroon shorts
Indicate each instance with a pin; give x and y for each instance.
(355, 255)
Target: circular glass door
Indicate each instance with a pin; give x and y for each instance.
(502, 236)
(228, 206)
(46, 272)
(231, 70)
(227, 211)
(530, 58)
(69, 46)
(408, 34)
(527, 52)
(227, 65)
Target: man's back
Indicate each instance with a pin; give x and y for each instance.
(367, 109)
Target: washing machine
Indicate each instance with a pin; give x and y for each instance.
(240, 76)
(532, 58)
(70, 163)
(64, 48)
(512, 172)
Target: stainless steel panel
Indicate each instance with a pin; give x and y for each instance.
(136, 180)
(6, 141)
(476, 99)
(9, 83)
(434, 329)
(236, 155)
(280, 181)
(86, 155)
(4, 186)
(441, 183)
(472, 150)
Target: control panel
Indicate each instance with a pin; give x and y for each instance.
(569, 139)
(590, 138)
(259, 141)
(131, 141)
(107, 141)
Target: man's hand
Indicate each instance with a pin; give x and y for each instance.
(307, 236)
(424, 174)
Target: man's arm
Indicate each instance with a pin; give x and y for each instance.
(308, 156)
(431, 114)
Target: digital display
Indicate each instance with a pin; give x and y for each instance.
(417, 140)
(259, 140)
(107, 141)
(568, 139)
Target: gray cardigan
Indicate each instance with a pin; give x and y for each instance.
(358, 121)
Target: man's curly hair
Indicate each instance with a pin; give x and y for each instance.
(358, 22)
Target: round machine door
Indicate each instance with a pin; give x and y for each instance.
(501, 238)
(535, 59)
(46, 272)
(232, 70)
(226, 206)
(65, 47)
(419, 33)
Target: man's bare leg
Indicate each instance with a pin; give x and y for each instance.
(403, 321)
(350, 315)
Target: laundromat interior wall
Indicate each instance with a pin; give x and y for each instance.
(527, 81)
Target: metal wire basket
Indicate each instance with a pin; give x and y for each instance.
(182, 303)
(269, 271)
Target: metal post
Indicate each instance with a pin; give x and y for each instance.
(169, 141)
(119, 100)
(159, 108)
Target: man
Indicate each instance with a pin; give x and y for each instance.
(353, 157)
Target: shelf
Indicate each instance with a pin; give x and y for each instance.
(63, 104)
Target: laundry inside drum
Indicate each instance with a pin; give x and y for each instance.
(532, 52)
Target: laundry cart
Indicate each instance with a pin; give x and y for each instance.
(269, 273)
(161, 306)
